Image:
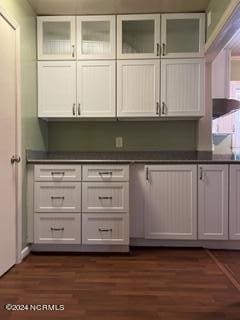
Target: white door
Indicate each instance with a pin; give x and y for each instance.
(213, 202)
(56, 38)
(171, 202)
(57, 89)
(96, 37)
(7, 146)
(234, 203)
(138, 36)
(183, 35)
(138, 86)
(96, 88)
(182, 87)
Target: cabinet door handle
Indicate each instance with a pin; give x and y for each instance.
(57, 229)
(73, 51)
(164, 49)
(104, 230)
(79, 109)
(105, 198)
(158, 49)
(201, 173)
(157, 108)
(74, 109)
(57, 198)
(164, 108)
(147, 174)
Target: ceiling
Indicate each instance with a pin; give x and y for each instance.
(74, 7)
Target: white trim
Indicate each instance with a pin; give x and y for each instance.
(25, 252)
(16, 27)
(227, 14)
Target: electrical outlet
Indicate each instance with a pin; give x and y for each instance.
(119, 142)
(209, 18)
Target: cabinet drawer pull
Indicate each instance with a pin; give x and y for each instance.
(105, 173)
(57, 198)
(57, 229)
(104, 230)
(53, 173)
(105, 198)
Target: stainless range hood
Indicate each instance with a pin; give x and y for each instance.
(222, 107)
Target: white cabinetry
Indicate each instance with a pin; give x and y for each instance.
(171, 202)
(96, 37)
(138, 36)
(183, 35)
(138, 85)
(234, 203)
(213, 202)
(56, 38)
(56, 89)
(182, 87)
(96, 88)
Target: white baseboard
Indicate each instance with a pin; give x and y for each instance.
(25, 252)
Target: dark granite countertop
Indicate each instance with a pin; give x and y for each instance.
(150, 157)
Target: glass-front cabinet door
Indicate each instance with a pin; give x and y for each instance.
(56, 38)
(183, 35)
(138, 36)
(96, 37)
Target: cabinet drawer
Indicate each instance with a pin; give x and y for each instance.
(105, 197)
(57, 173)
(57, 228)
(105, 229)
(105, 173)
(57, 197)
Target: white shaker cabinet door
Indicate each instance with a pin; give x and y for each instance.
(171, 202)
(57, 89)
(213, 202)
(96, 92)
(182, 87)
(234, 203)
(138, 84)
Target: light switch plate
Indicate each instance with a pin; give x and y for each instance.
(119, 142)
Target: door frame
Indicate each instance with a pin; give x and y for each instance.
(19, 168)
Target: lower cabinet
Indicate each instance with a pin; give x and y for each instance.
(57, 228)
(234, 203)
(213, 202)
(171, 202)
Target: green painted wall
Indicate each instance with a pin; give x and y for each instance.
(93, 136)
(217, 7)
(34, 133)
(235, 70)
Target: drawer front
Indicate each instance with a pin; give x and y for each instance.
(57, 197)
(105, 197)
(57, 228)
(105, 173)
(57, 173)
(105, 229)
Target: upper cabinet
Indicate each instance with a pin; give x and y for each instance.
(56, 38)
(138, 36)
(96, 37)
(183, 35)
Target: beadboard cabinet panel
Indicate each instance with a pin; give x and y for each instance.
(96, 88)
(213, 202)
(171, 202)
(138, 86)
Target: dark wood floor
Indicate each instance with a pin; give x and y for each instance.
(149, 284)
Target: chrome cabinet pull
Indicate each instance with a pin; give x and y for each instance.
(157, 108)
(73, 51)
(105, 173)
(57, 229)
(104, 230)
(57, 198)
(79, 109)
(16, 159)
(201, 173)
(164, 108)
(53, 173)
(158, 49)
(147, 174)
(74, 109)
(105, 198)
(164, 49)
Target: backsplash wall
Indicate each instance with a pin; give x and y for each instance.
(100, 136)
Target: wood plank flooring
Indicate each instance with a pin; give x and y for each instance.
(148, 284)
